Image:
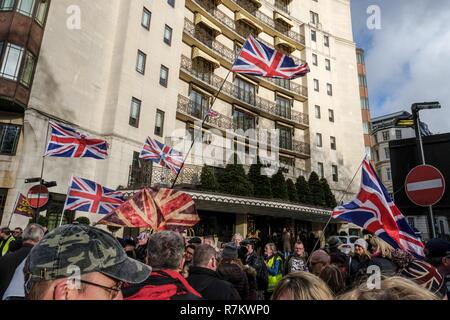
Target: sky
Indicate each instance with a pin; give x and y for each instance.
(407, 56)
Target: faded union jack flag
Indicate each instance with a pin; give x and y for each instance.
(258, 59)
(66, 142)
(374, 210)
(89, 196)
(166, 156)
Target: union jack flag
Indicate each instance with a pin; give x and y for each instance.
(66, 142)
(258, 59)
(374, 210)
(425, 275)
(166, 156)
(89, 196)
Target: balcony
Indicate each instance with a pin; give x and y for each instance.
(295, 147)
(282, 6)
(187, 107)
(234, 94)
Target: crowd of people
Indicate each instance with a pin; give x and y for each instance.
(80, 262)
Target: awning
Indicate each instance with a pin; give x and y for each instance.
(286, 44)
(243, 17)
(201, 19)
(197, 53)
(282, 18)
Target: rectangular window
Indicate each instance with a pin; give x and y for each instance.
(362, 81)
(146, 18)
(328, 64)
(11, 62)
(41, 12)
(331, 115)
(316, 85)
(164, 76)
(315, 62)
(243, 120)
(28, 70)
(314, 17)
(334, 170)
(135, 113)
(199, 104)
(168, 35)
(6, 5)
(245, 91)
(318, 115)
(333, 143)
(141, 61)
(171, 3)
(9, 138)
(159, 123)
(387, 153)
(326, 41)
(284, 107)
(26, 7)
(386, 136)
(365, 128)
(364, 103)
(313, 35)
(285, 137)
(329, 89)
(388, 174)
(398, 134)
(319, 140)
(320, 170)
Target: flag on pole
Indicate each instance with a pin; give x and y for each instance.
(23, 208)
(258, 59)
(66, 142)
(89, 196)
(166, 156)
(374, 210)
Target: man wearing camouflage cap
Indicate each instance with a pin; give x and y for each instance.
(79, 262)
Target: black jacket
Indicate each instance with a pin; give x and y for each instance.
(8, 265)
(387, 266)
(209, 284)
(257, 263)
(358, 268)
(236, 276)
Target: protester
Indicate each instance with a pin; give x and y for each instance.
(141, 248)
(359, 261)
(274, 265)
(237, 239)
(195, 241)
(334, 278)
(297, 261)
(188, 256)
(130, 248)
(6, 238)
(257, 263)
(16, 244)
(438, 254)
(302, 286)
(231, 269)
(319, 259)
(165, 254)
(392, 288)
(382, 256)
(9, 263)
(205, 279)
(82, 250)
(286, 239)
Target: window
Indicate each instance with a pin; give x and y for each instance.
(331, 115)
(386, 136)
(366, 128)
(245, 90)
(9, 137)
(11, 62)
(318, 115)
(320, 170)
(326, 41)
(315, 62)
(377, 154)
(26, 7)
(159, 123)
(329, 89)
(28, 70)
(164, 76)
(387, 154)
(313, 35)
(41, 12)
(388, 174)
(362, 80)
(334, 170)
(171, 3)
(199, 104)
(243, 120)
(398, 134)
(360, 57)
(284, 107)
(146, 18)
(314, 17)
(364, 103)
(328, 64)
(135, 113)
(319, 140)
(6, 5)
(333, 143)
(168, 35)
(140, 63)
(316, 85)
(285, 137)
(376, 137)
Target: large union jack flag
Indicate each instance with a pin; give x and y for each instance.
(166, 156)
(66, 142)
(89, 196)
(258, 59)
(374, 210)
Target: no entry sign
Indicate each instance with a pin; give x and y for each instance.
(38, 196)
(425, 185)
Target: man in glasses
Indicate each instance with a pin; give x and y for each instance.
(79, 262)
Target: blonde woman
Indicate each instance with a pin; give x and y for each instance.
(302, 286)
(382, 256)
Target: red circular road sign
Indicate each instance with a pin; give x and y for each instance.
(425, 185)
(38, 196)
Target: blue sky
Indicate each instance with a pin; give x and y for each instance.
(408, 57)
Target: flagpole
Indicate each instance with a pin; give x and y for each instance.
(205, 118)
(37, 214)
(14, 208)
(331, 215)
(67, 196)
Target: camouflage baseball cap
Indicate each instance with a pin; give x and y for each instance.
(76, 246)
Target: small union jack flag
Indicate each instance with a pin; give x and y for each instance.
(374, 210)
(66, 142)
(89, 196)
(258, 59)
(166, 156)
